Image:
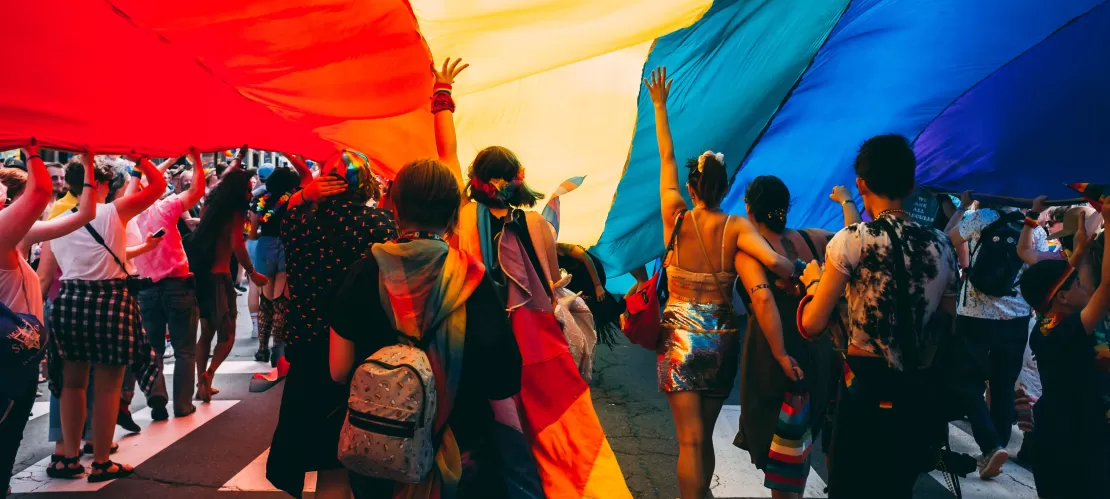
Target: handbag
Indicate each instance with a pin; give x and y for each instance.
(788, 459)
(23, 341)
(643, 315)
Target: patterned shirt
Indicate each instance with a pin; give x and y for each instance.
(862, 252)
(321, 242)
(983, 306)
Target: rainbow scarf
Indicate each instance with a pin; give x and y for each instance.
(426, 284)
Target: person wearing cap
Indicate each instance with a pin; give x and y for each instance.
(1071, 431)
(15, 163)
(993, 330)
(1072, 219)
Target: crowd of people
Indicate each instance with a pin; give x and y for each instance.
(869, 339)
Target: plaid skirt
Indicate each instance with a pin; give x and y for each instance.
(99, 322)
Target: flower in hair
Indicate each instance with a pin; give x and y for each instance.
(498, 188)
(720, 157)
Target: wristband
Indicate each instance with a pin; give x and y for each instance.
(33, 156)
(136, 173)
(441, 87)
(815, 281)
(90, 185)
(847, 201)
(442, 101)
(1032, 219)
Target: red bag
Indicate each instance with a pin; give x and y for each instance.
(643, 314)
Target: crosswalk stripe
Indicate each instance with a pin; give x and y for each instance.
(1015, 482)
(253, 478)
(231, 367)
(736, 475)
(133, 449)
(40, 408)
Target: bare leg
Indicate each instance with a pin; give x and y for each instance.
(686, 408)
(253, 295)
(107, 383)
(225, 335)
(204, 346)
(333, 484)
(75, 377)
(778, 494)
(710, 410)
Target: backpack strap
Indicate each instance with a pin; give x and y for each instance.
(901, 284)
(672, 245)
(812, 247)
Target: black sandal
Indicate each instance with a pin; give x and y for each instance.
(67, 470)
(88, 448)
(105, 475)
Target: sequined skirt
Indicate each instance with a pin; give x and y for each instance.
(700, 349)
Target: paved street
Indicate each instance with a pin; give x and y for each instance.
(221, 451)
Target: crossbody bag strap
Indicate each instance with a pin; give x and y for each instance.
(705, 253)
(672, 245)
(812, 247)
(100, 240)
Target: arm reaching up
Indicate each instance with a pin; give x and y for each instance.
(670, 199)
(196, 191)
(86, 210)
(842, 196)
(1025, 248)
(443, 111)
(302, 168)
(1095, 311)
(129, 207)
(20, 215)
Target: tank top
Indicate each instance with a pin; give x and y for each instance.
(82, 258)
(701, 281)
(20, 290)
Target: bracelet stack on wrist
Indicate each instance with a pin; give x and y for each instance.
(1032, 219)
(441, 98)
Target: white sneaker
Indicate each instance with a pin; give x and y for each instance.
(991, 466)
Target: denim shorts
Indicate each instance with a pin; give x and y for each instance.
(267, 255)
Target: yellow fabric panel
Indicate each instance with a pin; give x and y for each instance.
(599, 486)
(556, 81)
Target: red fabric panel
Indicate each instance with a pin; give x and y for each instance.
(159, 77)
(550, 381)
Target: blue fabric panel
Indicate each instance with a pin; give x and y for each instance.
(731, 71)
(1043, 116)
(890, 66)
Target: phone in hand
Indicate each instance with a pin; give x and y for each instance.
(160, 233)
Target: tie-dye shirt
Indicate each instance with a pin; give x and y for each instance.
(862, 252)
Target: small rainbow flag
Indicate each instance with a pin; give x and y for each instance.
(886, 404)
(228, 154)
(1093, 193)
(551, 210)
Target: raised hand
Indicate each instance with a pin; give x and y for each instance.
(1040, 204)
(659, 87)
(450, 70)
(324, 186)
(840, 194)
(966, 199)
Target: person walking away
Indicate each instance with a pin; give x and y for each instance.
(170, 300)
(432, 289)
(889, 426)
(699, 355)
(992, 324)
(1071, 435)
(268, 256)
(95, 283)
(778, 366)
(209, 249)
(327, 226)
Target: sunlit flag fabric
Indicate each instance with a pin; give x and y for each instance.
(551, 211)
(984, 88)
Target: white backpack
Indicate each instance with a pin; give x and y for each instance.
(390, 427)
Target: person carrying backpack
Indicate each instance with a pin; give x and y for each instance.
(430, 325)
(992, 324)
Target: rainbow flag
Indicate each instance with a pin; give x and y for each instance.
(552, 211)
(228, 154)
(1093, 193)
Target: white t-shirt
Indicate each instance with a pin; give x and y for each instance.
(20, 290)
(81, 258)
(976, 304)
